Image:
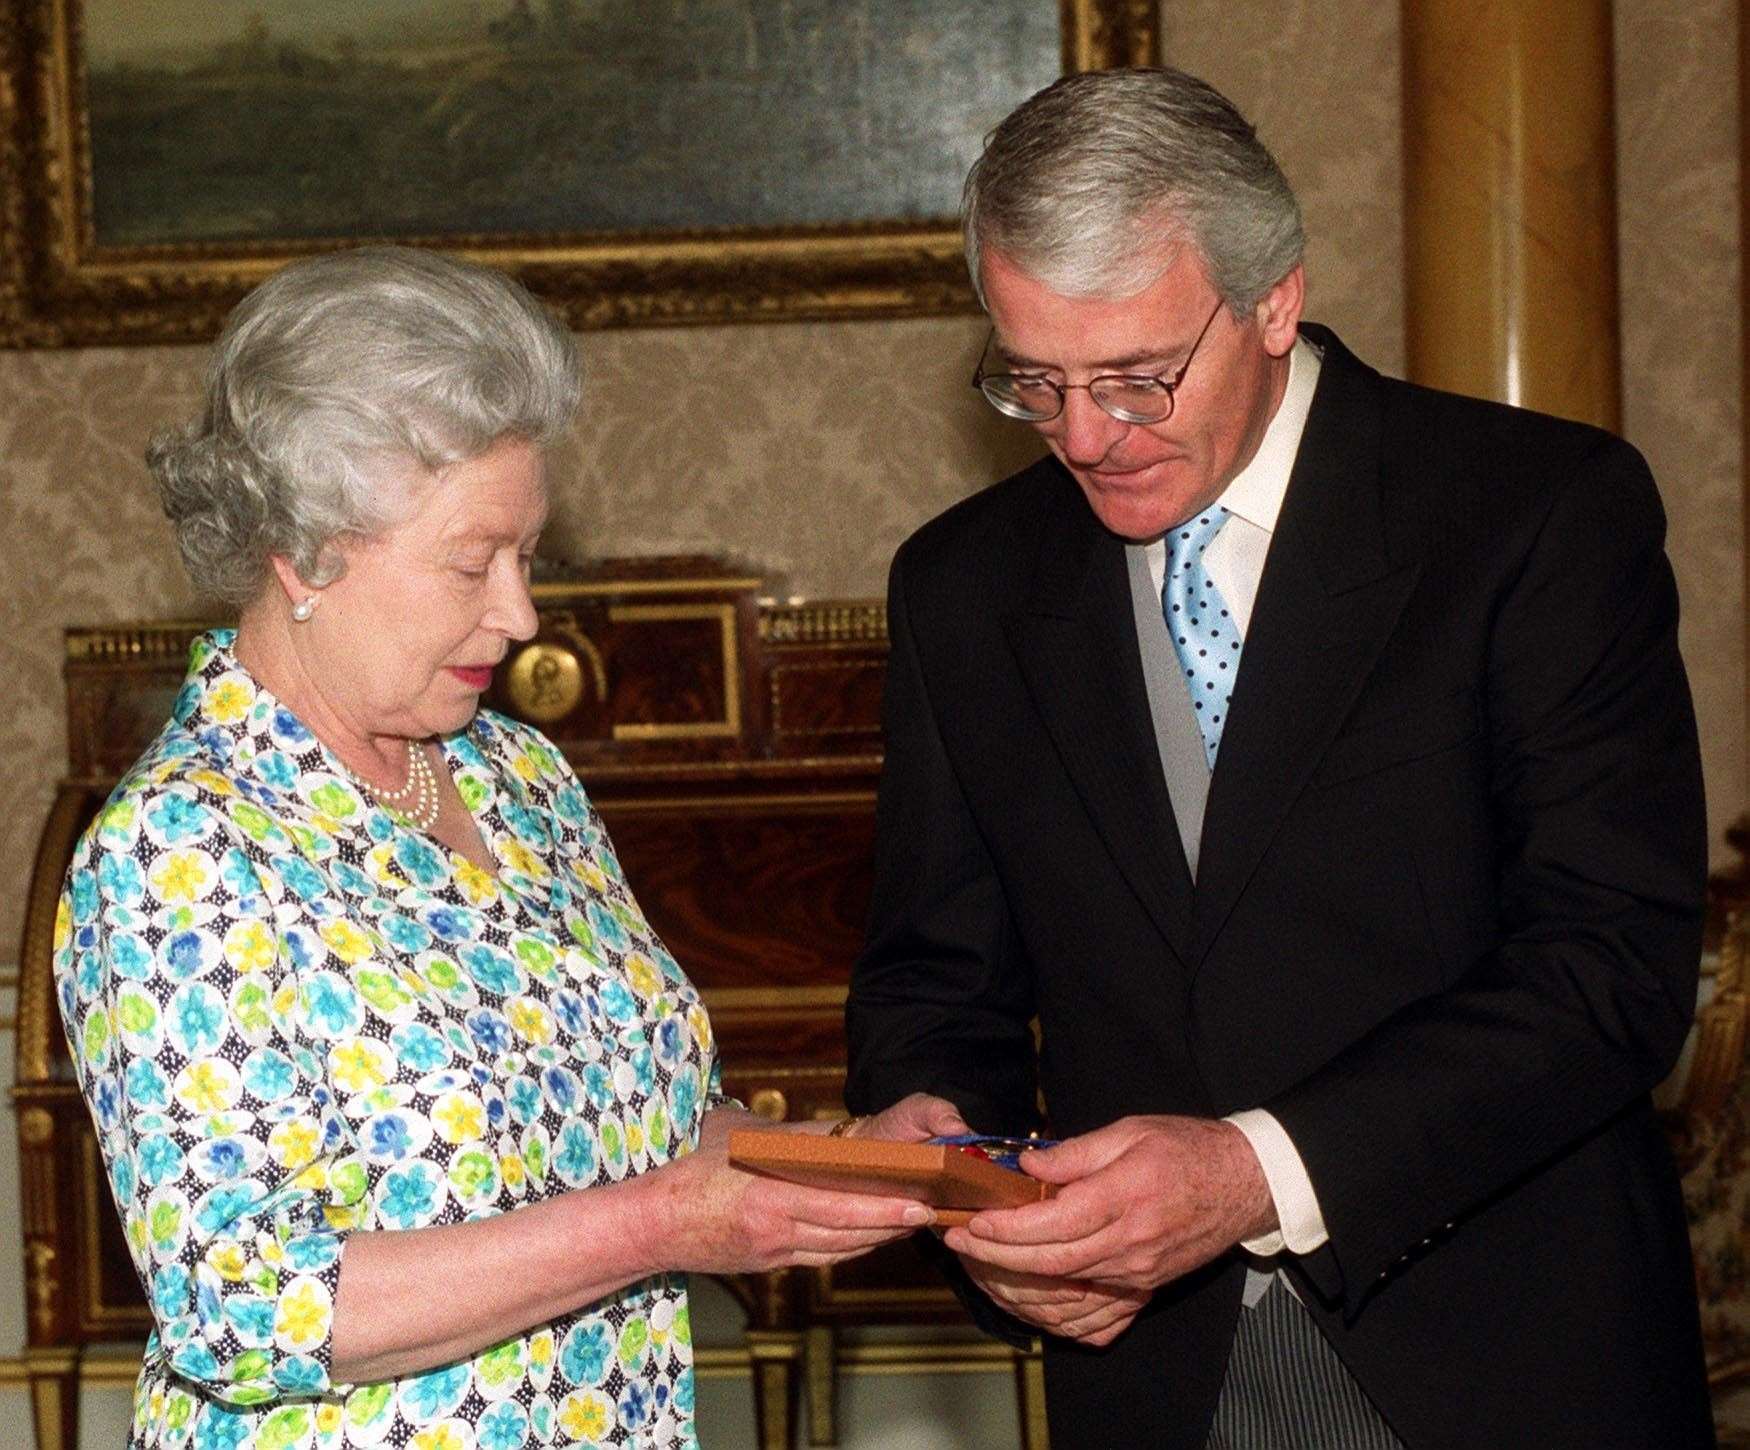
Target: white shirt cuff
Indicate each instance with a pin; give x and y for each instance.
(1301, 1226)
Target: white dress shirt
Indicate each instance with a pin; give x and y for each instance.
(1234, 562)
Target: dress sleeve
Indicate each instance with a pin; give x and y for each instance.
(227, 1154)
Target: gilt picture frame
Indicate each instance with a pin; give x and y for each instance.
(758, 160)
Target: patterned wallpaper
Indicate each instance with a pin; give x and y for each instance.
(812, 450)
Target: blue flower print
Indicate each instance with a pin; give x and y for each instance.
(683, 1097)
(186, 699)
(178, 819)
(90, 975)
(575, 1160)
(240, 878)
(606, 926)
(671, 1041)
(122, 1178)
(206, 1301)
(221, 1428)
(584, 1358)
(289, 732)
(388, 1138)
(504, 1427)
(303, 947)
(644, 1070)
(146, 1085)
(424, 867)
(560, 1086)
(226, 1204)
(197, 1020)
(188, 954)
(251, 1319)
(311, 1252)
(599, 1085)
(419, 1047)
(223, 1158)
(268, 1074)
(276, 769)
(82, 889)
(106, 1102)
(195, 1362)
(121, 880)
(634, 1405)
(302, 878)
(299, 1375)
(618, 1002)
(449, 923)
(404, 934)
(408, 1196)
(490, 1031)
(491, 969)
(170, 1289)
(525, 1100)
(569, 805)
(333, 1006)
(350, 878)
(568, 1008)
(131, 957)
(683, 1396)
(161, 1161)
(428, 1396)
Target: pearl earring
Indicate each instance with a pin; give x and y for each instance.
(304, 608)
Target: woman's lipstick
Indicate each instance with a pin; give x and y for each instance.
(475, 677)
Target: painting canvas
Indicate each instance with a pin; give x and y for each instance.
(634, 160)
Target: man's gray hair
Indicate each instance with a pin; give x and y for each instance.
(1092, 184)
(333, 386)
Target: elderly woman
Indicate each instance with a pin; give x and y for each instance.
(413, 1123)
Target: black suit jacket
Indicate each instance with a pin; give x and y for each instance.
(1445, 926)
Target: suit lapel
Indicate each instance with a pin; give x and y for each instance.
(1328, 601)
(1076, 647)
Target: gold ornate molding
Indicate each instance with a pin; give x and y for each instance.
(59, 288)
(846, 621)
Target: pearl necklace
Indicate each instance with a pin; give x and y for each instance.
(416, 799)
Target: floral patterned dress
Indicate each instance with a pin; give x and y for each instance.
(295, 1018)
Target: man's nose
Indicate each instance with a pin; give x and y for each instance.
(1087, 431)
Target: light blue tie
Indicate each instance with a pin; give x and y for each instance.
(1204, 634)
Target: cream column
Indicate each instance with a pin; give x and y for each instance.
(1510, 203)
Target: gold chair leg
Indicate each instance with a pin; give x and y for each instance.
(774, 1353)
(820, 1363)
(1030, 1389)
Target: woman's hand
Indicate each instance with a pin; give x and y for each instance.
(710, 1217)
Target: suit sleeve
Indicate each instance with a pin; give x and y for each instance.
(941, 999)
(1600, 844)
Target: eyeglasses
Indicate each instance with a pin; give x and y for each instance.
(1128, 397)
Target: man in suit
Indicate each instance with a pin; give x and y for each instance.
(1306, 757)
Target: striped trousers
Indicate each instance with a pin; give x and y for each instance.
(1286, 1389)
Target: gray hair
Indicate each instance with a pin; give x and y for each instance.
(1089, 185)
(339, 375)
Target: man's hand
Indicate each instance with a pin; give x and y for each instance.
(1071, 1308)
(1141, 1202)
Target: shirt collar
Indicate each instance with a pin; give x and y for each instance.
(1257, 490)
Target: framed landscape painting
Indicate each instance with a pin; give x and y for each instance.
(631, 160)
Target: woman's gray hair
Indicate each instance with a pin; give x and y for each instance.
(334, 380)
(1088, 185)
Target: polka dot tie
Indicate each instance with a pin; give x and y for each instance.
(1204, 634)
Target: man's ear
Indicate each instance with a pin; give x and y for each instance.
(1278, 312)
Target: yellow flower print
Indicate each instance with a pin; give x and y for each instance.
(584, 1416)
(541, 1349)
(443, 1436)
(593, 875)
(380, 865)
(250, 946)
(208, 1086)
(328, 1418)
(459, 1117)
(229, 1262)
(520, 858)
(531, 1021)
(182, 876)
(63, 923)
(294, 1143)
(229, 700)
(271, 1250)
(211, 780)
(314, 1178)
(525, 766)
(303, 1316)
(701, 1025)
(646, 980)
(477, 885)
(346, 941)
(510, 1168)
(358, 1063)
